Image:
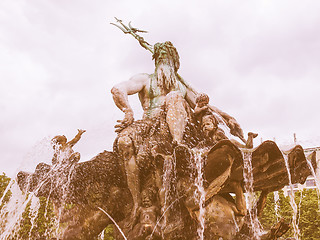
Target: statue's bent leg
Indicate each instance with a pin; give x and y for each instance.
(126, 149)
(240, 199)
(177, 115)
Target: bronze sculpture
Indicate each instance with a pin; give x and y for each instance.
(63, 149)
(146, 184)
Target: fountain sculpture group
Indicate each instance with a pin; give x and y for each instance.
(172, 175)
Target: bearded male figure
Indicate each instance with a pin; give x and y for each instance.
(162, 90)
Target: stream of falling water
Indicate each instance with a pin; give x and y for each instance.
(169, 170)
(34, 208)
(250, 197)
(293, 204)
(276, 204)
(12, 211)
(299, 210)
(199, 193)
(101, 235)
(316, 179)
(6, 191)
(61, 174)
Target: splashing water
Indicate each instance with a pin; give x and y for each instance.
(250, 198)
(56, 180)
(101, 235)
(17, 206)
(61, 176)
(11, 213)
(293, 204)
(199, 193)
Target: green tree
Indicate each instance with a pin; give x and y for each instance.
(38, 225)
(309, 221)
(108, 233)
(4, 181)
(268, 218)
(33, 225)
(308, 213)
(25, 223)
(44, 220)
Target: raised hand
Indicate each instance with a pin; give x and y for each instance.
(81, 131)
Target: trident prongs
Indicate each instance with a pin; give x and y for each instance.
(133, 31)
(136, 29)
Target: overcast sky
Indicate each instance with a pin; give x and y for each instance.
(258, 61)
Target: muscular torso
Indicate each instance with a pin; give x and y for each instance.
(152, 97)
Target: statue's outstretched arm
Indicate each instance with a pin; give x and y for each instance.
(76, 139)
(231, 122)
(120, 94)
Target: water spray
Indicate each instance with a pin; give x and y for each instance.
(113, 222)
(165, 213)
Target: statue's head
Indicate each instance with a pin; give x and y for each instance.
(166, 53)
(202, 99)
(167, 64)
(146, 197)
(60, 139)
(209, 124)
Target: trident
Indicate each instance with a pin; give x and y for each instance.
(133, 31)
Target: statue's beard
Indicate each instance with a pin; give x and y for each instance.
(166, 77)
(208, 133)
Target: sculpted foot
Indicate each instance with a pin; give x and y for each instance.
(251, 136)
